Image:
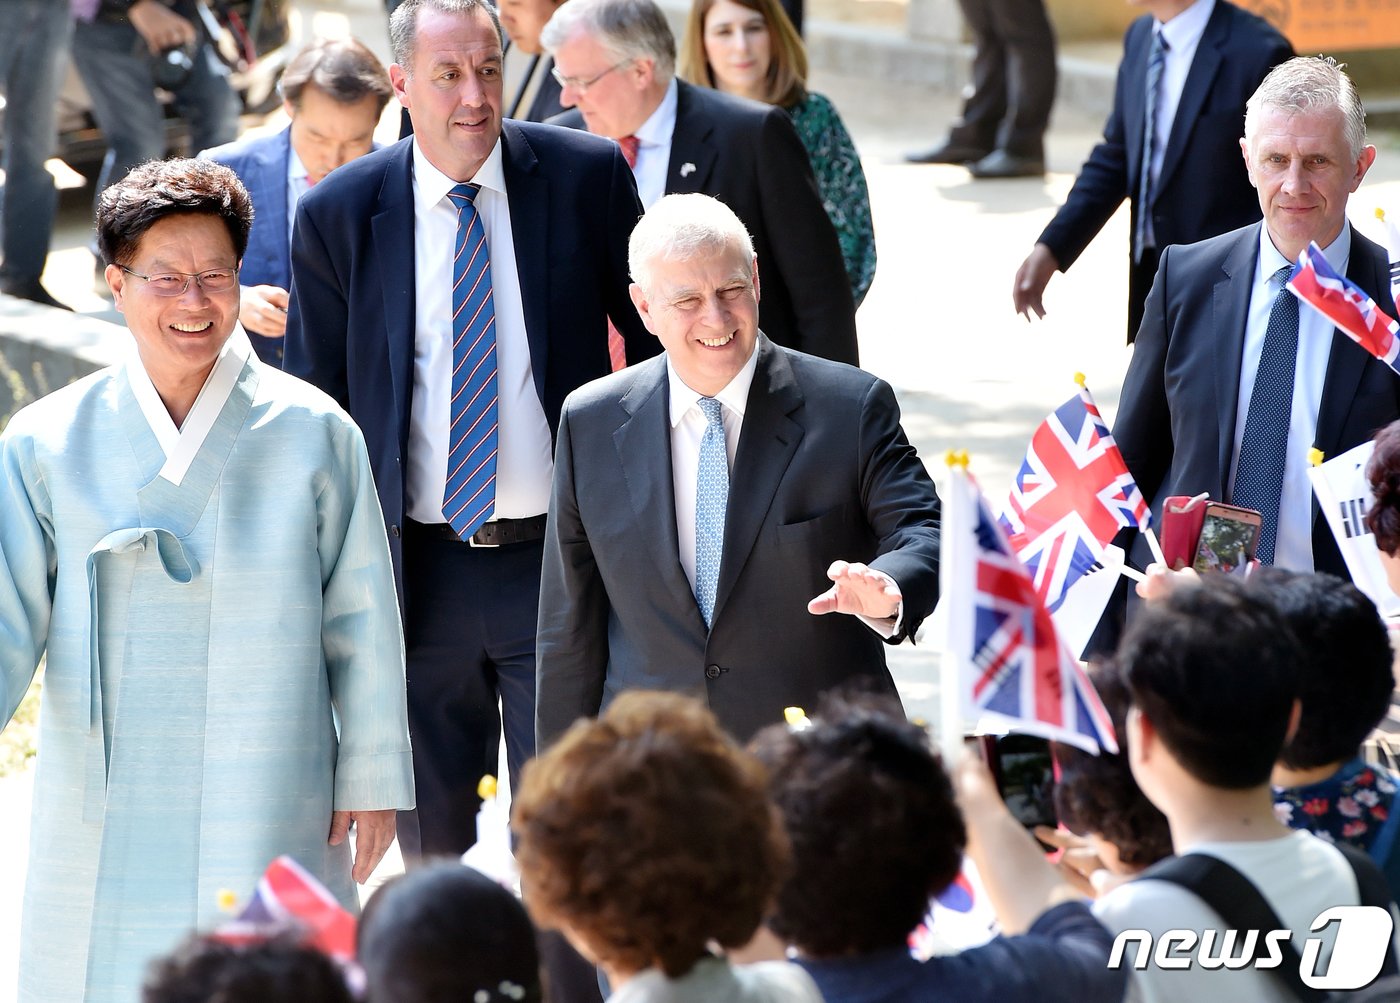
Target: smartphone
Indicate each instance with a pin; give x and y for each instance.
(1025, 774)
(1229, 535)
(1182, 516)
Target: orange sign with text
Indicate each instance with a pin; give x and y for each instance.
(1328, 26)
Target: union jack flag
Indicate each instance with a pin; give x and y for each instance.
(1009, 662)
(1346, 305)
(1070, 497)
(287, 898)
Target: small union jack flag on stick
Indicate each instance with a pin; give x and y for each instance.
(289, 898)
(1346, 305)
(1003, 656)
(1070, 498)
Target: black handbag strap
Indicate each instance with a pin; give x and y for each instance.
(1235, 898)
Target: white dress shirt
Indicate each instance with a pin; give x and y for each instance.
(298, 184)
(687, 429)
(524, 461)
(1182, 35)
(1293, 547)
(654, 149)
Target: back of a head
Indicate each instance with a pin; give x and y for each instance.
(445, 933)
(207, 970)
(1216, 671)
(873, 824)
(629, 29)
(1347, 674)
(1383, 473)
(647, 834)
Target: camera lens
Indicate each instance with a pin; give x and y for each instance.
(170, 68)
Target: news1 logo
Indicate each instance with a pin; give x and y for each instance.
(1363, 936)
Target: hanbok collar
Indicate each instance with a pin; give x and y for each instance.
(181, 445)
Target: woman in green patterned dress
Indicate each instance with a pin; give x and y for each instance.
(749, 48)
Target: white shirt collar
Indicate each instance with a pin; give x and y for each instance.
(661, 124)
(430, 185)
(734, 396)
(181, 445)
(1271, 259)
(296, 170)
(1185, 30)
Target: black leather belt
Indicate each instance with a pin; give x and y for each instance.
(500, 533)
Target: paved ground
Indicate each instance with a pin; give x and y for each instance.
(937, 323)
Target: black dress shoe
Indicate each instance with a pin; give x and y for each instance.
(1000, 164)
(34, 292)
(947, 153)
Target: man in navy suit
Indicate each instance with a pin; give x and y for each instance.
(379, 260)
(1213, 57)
(1232, 380)
(334, 91)
(615, 60)
(713, 509)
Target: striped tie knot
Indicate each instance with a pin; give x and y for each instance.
(464, 195)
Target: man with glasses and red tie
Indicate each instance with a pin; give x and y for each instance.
(449, 291)
(615, 63)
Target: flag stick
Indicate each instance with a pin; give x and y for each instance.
(958, 527)
(1156, 547)
(1131, 573)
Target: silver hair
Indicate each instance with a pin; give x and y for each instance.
(681, 228)
(403, 24)
(1310, 85)
(628, 29)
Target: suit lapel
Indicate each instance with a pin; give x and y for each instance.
(1230, 307)
(1199, 79)
(643, 444)
(269, 174)
(1346, 362)
(1135, 104)
(392, 226)
(528, 191)
(766, 446)
(693, 152)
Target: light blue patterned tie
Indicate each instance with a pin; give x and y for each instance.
(1264, 448)
(711, 499)
(1155, 62)
(469, 498)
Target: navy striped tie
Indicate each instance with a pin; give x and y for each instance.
(469, 498)
(1155, 61)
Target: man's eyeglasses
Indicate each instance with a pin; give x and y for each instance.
(580, 85)
(172, 284)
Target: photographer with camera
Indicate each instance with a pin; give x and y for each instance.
(125, 50)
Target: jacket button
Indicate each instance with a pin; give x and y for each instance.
(394, 531)
(712, 671)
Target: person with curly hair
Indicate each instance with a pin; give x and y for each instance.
(445, 933)
(646, 836)
(875, 831)
(750, 48)
(1097, 798)
(206, 969)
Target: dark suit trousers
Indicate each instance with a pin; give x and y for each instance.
(1013, 77)
(1140, 276)
(469, 630)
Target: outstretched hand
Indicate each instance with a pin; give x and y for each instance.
(858, 590)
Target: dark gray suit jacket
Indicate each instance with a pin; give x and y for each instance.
(823, 472)
(1176, 423)
(748, 156)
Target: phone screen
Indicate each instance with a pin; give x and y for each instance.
(1025, 774)
(1227, 542)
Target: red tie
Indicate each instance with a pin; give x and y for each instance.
(617, 349)
(629, 146)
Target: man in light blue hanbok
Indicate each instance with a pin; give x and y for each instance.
(195, 540)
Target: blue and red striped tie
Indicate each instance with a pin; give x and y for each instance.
(469, 498)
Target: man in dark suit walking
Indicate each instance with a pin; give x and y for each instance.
(334, 91)
(1188, 67)
(449, 291)
(1232, 380)
(703, 499)
(615, 60)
